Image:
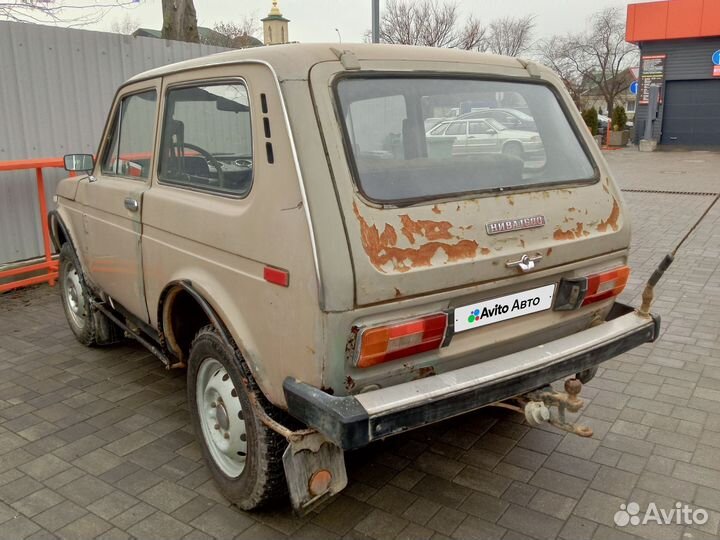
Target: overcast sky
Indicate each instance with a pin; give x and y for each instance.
(316, 20)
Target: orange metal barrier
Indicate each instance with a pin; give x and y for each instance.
(49, 265)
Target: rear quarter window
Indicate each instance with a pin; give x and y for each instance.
(396, 159)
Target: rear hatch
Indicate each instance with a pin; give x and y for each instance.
(464, 201)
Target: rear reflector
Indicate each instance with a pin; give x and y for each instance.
(278, 277)
(385, 343)
(606, 285)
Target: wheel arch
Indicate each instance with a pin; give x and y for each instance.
(179, 332)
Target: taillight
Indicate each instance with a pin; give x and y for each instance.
(606, 285)
(581, 291)
(385, 343)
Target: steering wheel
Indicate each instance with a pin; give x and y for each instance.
(212, 160)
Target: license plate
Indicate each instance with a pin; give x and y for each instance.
(504, 308)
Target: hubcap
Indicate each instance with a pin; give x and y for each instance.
(221, 417)
(74, 297)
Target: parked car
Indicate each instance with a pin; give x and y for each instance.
(510, 118)
(276, 222)
(487, 135)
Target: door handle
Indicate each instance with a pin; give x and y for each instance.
(132, 204)
(525, 263)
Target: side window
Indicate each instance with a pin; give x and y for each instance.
(132, 139)
(207, 139)
(457, 128)
(439, 130)
(479, 128)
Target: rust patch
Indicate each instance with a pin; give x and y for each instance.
(570, 234)
(397, 293)
(381, 248)
(436, 210)
(432, 230)
(612, 219)
(424, 372)
(548, 252)
(388, 236)
(349, 383)
(510, 200)
(522, 243)
(572, 209)
(485, 251)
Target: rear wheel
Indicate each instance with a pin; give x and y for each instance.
(75, 297)
(243, 455)
(513, 149)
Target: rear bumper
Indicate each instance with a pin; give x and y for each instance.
(355, 421)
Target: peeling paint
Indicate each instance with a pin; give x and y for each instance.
(432, 230)
(349, 383)
(387, 257)
(570, 234)
(612, 220)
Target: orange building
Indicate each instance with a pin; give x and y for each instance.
(679, 43)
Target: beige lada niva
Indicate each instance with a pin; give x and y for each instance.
(342, 243)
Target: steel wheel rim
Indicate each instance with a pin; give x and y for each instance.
(221, 417)
(74, 297)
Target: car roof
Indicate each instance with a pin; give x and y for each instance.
(294, 60)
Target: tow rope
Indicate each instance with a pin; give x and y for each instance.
(648, 294)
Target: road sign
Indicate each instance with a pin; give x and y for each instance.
(634, 87)
(716, 57)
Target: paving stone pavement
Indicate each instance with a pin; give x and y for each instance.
(96, 443)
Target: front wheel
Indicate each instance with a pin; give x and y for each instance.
(513, 149)
(243, 455)
(75, 297)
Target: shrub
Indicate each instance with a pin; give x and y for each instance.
(619, 118)
(591, 119)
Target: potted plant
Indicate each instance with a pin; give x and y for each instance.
(619, 136)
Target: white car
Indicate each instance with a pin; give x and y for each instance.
(486, 135)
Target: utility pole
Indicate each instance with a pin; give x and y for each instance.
(376, 21)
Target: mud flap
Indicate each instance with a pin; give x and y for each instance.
(315, 471)
(106, 331)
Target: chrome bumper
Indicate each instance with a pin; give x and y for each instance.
(354, 421)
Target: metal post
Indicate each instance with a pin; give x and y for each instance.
(376, 21)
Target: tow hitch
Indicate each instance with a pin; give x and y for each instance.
(547, 405)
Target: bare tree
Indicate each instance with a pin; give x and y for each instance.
(511, 36)
(235, 34)
(180, 21)
(65, 12)
(125, 25)
(430, 23)
(556, 54)
(599, 56)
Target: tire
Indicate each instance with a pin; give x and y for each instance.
(75, 297)
(222, 410)
(513, 149)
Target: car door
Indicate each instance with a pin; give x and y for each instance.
(112, 198)
(482, 138)
(459, 131)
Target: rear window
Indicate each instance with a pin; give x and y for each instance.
(466, 149)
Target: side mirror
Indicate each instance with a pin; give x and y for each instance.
(491, 131)
(79, 162)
